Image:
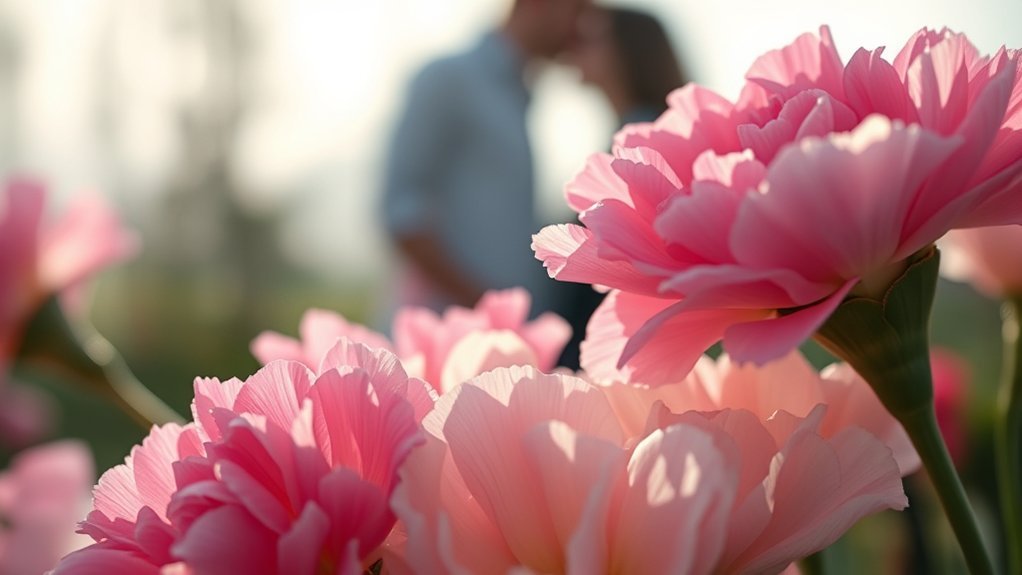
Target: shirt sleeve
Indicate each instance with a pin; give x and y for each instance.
(419, 152)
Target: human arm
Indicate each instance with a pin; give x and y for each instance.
(423, 147)
(432, 261)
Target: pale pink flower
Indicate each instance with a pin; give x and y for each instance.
(37, 261)
(531, 473)
(26, 413)
(318, 331)
(790, 385)
(751, 221)
(42, 494)
(442, 349)
(286, 472)
(988, 258)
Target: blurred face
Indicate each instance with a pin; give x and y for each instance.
(594, 53)
(555, 24)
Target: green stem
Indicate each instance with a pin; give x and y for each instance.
(887, 342)
(1008, 435)
(815, 564)
(921, 425)
(84, 356)
(128, 393)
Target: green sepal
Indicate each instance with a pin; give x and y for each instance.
(887, 341)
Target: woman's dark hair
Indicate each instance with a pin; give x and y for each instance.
(648, 62)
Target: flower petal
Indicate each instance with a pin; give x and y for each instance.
(89, 236)
(103, 561)
(576, 474)
(768, 339)
(871, 175)
(673, 514)
(569, 253)
(809, 62)
(874, 86)
(301, 547)
(228, 540)
(270, 345)
(652, 341)
(819, 490)
(479, 352)
(483, 422)
(276, 391)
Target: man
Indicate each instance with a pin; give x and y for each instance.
(458, 197)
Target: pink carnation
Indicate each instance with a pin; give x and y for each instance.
(751, 221)
(988, 258)
(40, 260)
(435, 347)
(525, 472)
(286, 472)
(787, 385)
(37, 261)
(41, 496)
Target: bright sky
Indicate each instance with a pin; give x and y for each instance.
(330, 82)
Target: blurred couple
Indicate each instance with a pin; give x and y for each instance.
(459, 185)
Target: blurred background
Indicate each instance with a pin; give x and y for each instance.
(245, 140)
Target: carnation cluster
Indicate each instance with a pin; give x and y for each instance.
(356, 465)
(456, 445)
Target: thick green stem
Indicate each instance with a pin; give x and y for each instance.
(1008, 435)
(887, 342)
(921, 426)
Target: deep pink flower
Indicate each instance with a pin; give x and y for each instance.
(435, 347)
(42, 494)
(527, 472)
(950, 382)
(988, 258)
(751, 221)
(286, 472)
(37, 261)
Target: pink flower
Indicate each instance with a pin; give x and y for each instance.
(41, 495)
(787, 385)
(286, 472)
(988, 258)
(26, 413)
(39, 260)
(533, 473)
(436, 348)
(751, 221)
(318, 331)
(36, 262)
(950, 382)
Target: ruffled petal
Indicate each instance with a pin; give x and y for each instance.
(650, 340)
(570, 253)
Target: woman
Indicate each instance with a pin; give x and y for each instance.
(627, 55)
